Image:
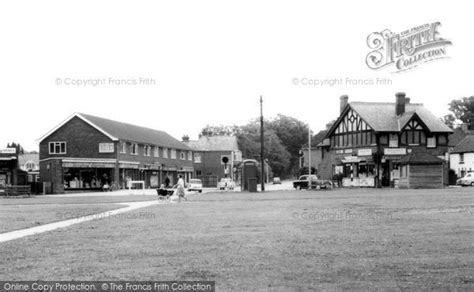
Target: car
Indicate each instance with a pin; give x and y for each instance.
(276, 181)
(467, 180)
(316, 183)
(226, 183)
(195, 185)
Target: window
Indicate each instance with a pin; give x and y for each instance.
(173, 153)
(461, 158)
(393, 140)
(198, 173)
(383, 139)
(123, 147)
(146, 150)
(431, 142)
(182, 155)
(197, 157)
(190, 156)
(442, 140)
(165, 152)
(30, 165)
(57, 147)
(134, 149)
(156, 151)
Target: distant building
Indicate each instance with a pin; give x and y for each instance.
(209, 152)
(370, 142)
(29, 163)
(462, 156)
(85, 152)
(9, 170)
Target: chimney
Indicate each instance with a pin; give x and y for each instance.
(344, 101)
(400, 103)
(185, 138)
(407, 100)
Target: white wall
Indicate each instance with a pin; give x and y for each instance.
(468, 164)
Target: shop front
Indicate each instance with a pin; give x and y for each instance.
(88, 174)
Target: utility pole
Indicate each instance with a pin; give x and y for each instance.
(309, 157)
(262, 166)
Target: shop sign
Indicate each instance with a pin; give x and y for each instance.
(395, 151)
(106, 147)
(348, 151)
(339, 151)
(351, 159)
(364, 152)
(8, 151)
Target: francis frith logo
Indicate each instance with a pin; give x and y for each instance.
(407, 49)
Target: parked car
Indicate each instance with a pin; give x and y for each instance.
(195, 185)
(276, 181)
(467, 180)
(226, 183)
(316, 183)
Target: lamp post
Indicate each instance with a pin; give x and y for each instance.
(262, 170)
(309, 157)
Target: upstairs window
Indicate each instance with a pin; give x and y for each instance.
(173, 153)
(146, 150)
(156, 151)
(431, 142)
(461, 158)
(134, 149)
(182, 155)
(190, 156)
(197, 157)
(57, 147)
(123, 147)
(165, 152)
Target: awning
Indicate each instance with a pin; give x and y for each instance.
(88, 163)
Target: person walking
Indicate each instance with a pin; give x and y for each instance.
(180, 186)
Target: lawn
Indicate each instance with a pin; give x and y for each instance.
(361, 239)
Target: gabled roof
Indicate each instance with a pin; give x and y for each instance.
(381, 116)
(127, 132)
(466, 145)
(214, 143)
(420, 158)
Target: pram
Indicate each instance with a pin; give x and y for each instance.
(164, 194)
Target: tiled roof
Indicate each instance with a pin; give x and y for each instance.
(381, 116)
(214, 143)
(466, 145)
(420, 158)
(128, 132)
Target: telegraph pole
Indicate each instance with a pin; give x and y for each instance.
(309, 157)
(262, 166)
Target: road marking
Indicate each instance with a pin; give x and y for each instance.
(62, 224)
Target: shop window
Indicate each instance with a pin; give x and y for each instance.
(173, 153)
(431, 142)
(182, 155)
(197, 157)
(165, 152)
(134, 149)
(57, 147)
(190, 156)
(156, 151)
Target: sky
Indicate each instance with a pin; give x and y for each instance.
(178, 66)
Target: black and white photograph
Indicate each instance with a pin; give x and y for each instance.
(236, 146)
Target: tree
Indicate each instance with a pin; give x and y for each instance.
(293, 134)
(449, 120)
(463, 109)
(249, 143)
(220, 130)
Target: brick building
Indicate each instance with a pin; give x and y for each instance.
(209, 151)
(369, 141)
(86, 152)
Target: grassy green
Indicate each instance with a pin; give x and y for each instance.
(360, 239)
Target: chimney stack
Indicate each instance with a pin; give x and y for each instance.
(407, 100)
(344, 101)
(400, 103)
(185, 138)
